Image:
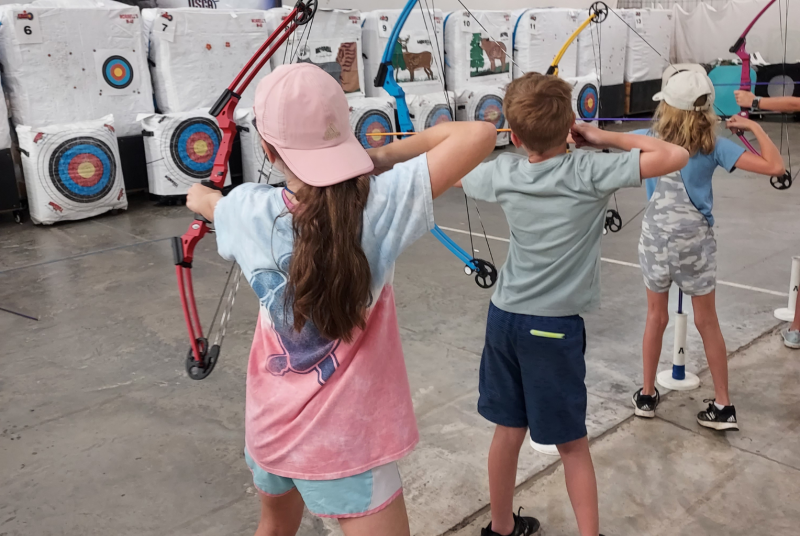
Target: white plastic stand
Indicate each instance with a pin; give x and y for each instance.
(677, 378)
(787, 314)
(550, 450)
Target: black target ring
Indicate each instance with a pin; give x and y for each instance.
(193, 146)
(118, 72)
(83, 169)
(439, 114)
(373, 122)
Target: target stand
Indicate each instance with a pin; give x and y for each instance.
(677, 378)
(787, 313)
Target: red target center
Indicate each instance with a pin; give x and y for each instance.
(200, 147)
(118, 72)
(589, 103)
(85, 170)
(376, 141)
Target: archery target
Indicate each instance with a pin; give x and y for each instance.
(588, 99)
(484, 103)
(440, 113)
(180, 150)
(72, 171)
(371, 116)
(117, 72)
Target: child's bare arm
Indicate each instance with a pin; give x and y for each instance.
(770, 162)
(203, 200)
(657, 156)
(454, 149)
(772, 104)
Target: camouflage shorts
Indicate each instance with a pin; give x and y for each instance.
(677, 243)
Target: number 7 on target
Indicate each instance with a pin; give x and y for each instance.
(166, 25)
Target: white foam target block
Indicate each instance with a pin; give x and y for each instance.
(333, 43)
(417, 55)
(72, 171)
(255, 164)
(370, 117)
(601, 49)
(656, 26)
(585, 97)
(477, 49)
(180, 150)
(538, 36)
(484, 103)
(196, 53)
(70, 60)
(430, 110)
(5, 127)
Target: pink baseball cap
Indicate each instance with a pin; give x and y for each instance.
(303, 112)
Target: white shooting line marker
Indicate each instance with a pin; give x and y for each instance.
(632, 265)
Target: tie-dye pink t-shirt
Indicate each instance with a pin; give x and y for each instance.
(318, 409)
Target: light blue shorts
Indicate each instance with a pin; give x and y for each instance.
(352, 496)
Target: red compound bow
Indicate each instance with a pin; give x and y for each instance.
(201, 359)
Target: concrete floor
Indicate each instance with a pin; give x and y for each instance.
(101, 432)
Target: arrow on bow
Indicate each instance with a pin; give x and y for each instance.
(202, 358)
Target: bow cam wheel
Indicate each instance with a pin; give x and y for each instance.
(600, 11)
(486, 276)
(783, 182)
(306, 9)
(613, 221)
(199, 370)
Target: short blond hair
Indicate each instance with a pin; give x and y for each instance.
(539, 110)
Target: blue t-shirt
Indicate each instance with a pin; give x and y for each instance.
(698, 172)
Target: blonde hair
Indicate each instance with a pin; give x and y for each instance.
(692, 130)
(539, 109)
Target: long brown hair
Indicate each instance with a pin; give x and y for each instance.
(329, 275)
(694, 131)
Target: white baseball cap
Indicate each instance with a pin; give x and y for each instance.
(684, 88)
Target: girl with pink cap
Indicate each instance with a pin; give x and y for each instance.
(328, 406)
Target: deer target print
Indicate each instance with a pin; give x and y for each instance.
(193, 146)
(490, 108)
(440, 113)
(588, 100)
(116, 71)
(373, 122)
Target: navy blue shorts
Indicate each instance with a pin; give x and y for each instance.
(532, 374)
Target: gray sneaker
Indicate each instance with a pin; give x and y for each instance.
(791, 339)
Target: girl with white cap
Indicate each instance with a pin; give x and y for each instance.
(328, 406)
(677, 242)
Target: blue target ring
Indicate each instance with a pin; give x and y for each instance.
(194, 146)
(83, 169)
(373, 122)
(439, 114)
(118, 72)
(588, 101)
(490, 108)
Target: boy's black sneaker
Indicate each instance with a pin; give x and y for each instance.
(718, 419)
(523, 526)
(645, 405)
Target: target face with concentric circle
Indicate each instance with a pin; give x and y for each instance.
(373, 122)
(587, 102)
(490, 108)
(439, 114)
(118, 72)
(83, 169)
(193, 146)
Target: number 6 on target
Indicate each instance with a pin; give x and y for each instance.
(27, 28)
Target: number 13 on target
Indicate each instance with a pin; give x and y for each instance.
(27, 27)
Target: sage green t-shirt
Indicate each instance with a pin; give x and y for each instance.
(556, 213)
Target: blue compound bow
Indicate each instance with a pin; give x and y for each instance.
(485, 271)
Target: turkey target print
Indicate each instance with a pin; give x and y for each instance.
(439, 114)
(78, 169)
(490, 108)
(193, 145)
(588, 102)
(116, 70)
(371, 123)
